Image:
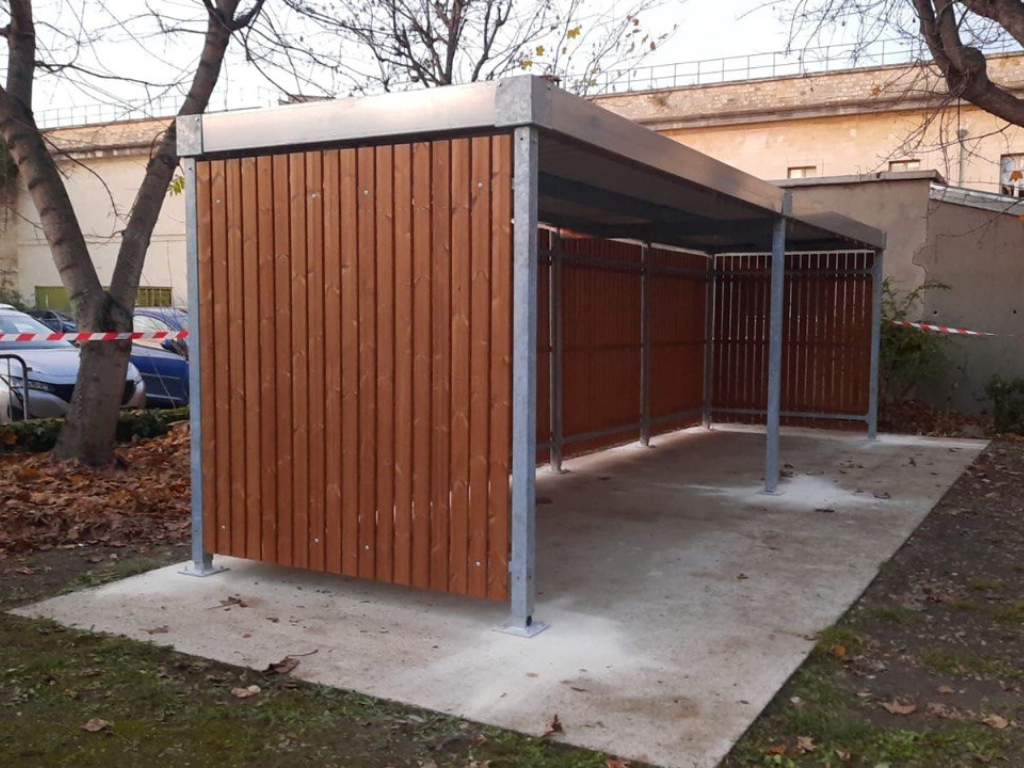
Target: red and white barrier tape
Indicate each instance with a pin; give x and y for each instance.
(945, 329)
(133, 336)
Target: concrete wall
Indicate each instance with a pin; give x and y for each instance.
(841, 123)
(978, 253)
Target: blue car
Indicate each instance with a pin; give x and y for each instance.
(162, 319)
(165, 375)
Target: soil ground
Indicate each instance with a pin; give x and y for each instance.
(925, 670)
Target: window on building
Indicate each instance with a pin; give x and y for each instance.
(904, 165)
(801, 171)
(1011, 175)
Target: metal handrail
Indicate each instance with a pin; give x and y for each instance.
(8, 357)
(756, 66)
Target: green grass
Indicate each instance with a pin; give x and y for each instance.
(896, 614)
(170, 709)
(112, 570)
(984, 584)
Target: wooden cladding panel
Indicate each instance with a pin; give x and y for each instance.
(826, 335)
(356, 314)
(678, 326)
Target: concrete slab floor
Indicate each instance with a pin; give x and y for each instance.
(680, 598)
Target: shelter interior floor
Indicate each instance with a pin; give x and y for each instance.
(680, 598)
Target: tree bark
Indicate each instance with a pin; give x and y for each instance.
(91, 423)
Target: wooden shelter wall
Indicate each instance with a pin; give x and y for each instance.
(355, 313)
(826, 337)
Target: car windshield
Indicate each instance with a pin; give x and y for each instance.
(18, 322)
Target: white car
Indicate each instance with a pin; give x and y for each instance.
(52, 372)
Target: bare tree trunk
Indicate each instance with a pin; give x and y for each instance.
(91, 423)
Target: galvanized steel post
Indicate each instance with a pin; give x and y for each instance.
(555, 337)
(771, 472)
(876, 342)
(709, 337)
(645, 345)
(202, 561)
(524, 381)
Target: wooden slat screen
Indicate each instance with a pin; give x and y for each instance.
(356, 310)
(826, 336)
(678, 329)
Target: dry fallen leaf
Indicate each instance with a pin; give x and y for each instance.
(946, 689)
(778, 749)
(939, 710)
(996, 721)
(96, 725)
(157, 630)
(843, 754)
(805, 745)
(282, 667)
(897, 707)
(839, 651)
(245, 693)
(555, 727)
(611, 762)
(479, 764)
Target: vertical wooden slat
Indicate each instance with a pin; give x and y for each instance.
(204, 220)
(351, 465)
(422, 425)
(441, 323)
(313, 196)
(235, 358)
(366, 196)
(385, 258)
(404, 424)
(498, 519)
(480, 351)
(299, 360)
(458, 537)
(333, 430)
(283, 356)
(248, 309)
(266, 322)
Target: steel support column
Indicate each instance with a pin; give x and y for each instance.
(876, 341)
(709, 337)
(556, 450)
(524, 382)
(202, 561)
(771, 472)
(645, 345)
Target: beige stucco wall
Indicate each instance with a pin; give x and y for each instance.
(842, 123)
(978, 253)
(103, 175)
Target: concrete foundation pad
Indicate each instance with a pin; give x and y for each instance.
(679, 597)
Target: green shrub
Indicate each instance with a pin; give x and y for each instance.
(1008, 404)
(39, 435)
(907, 355)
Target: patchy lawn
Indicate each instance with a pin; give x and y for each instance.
(926, 670)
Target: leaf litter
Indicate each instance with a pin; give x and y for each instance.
(144, 498)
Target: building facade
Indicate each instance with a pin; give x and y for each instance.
(850, 123)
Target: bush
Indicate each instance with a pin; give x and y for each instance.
(39, 435)
(1008, 404)
(908, 356)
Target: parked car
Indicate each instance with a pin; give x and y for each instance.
(152, 319)
(165, 375)
(52, 372)
(58, 321)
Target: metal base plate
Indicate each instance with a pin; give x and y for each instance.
(201, 571)
(520, 631)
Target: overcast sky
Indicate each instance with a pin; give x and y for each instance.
(707, 29)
